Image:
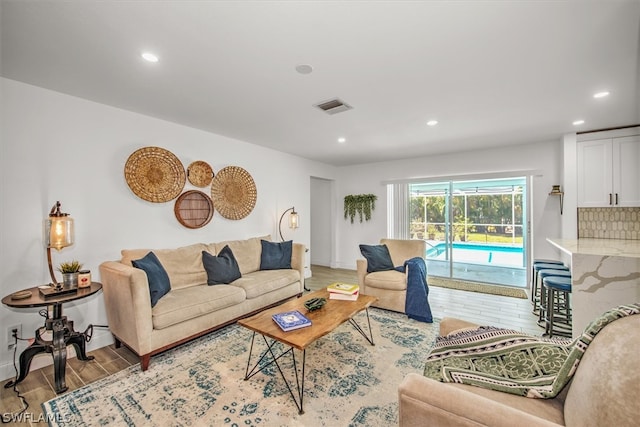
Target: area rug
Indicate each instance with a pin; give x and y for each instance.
(484, 288)
(348, 382)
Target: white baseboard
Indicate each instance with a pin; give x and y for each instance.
(101, 338)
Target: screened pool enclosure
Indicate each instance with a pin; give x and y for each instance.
(474, 229)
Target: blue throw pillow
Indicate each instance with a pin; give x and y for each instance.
(159, 284)
(275, 256)
(378, 258)
(222, 269)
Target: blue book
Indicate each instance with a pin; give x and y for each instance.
(290, 320)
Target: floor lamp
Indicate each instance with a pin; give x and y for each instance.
(293, 223)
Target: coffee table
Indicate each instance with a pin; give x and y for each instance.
(323, 321)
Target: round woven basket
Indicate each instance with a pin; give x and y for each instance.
(199, 173)
(154, 174)
(233, 192)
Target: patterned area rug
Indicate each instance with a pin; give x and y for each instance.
(347, 382)
(484, 288)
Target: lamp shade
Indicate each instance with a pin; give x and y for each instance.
(59, 230)
(293, 220)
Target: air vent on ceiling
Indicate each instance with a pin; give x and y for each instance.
(333, 106)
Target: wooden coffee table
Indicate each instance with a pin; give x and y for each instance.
(328, 318)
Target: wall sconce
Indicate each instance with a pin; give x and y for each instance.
(58, 234)
(293, 220)
(556, 191)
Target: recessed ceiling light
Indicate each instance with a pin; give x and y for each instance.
(304, 69)
(148, 56)
(342, 140)
(601, 94)
(432, 122)
(578, 122)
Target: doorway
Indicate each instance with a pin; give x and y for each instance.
(321, 218)
(474, 229)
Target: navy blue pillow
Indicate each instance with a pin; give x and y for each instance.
(222, 269)
(159, 284)
(275, 256)
(377, 256)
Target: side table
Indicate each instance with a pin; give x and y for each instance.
(62, 329)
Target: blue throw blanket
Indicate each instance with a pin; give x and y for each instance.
(416, 305)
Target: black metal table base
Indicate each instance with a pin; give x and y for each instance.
(63, 335)
(268, 358)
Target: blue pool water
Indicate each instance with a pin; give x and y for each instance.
(478, 253)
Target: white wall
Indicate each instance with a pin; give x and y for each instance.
(544, 157)
(58, 147)
(569, 184)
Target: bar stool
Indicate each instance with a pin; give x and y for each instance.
(543, 295)
(558, 305)
(536, 284)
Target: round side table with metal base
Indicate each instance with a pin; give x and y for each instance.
(62, 330)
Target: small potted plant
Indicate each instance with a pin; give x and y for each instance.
(69, 270)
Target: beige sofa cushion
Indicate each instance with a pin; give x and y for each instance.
(391, 280)
(183, 265)
(194, 301)
(425, 402)
(263, 281)
(247, 252)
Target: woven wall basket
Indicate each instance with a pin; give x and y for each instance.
(199, 173)
(154, 174)
(233, 192)
(193, 209)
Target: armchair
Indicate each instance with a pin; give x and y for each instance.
(390, 286)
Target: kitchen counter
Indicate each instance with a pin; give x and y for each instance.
(606, 247)
(604, 274)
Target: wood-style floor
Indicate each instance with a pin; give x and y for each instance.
(485, 309)
(505, 312)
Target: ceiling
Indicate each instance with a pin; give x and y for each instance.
(492, 73)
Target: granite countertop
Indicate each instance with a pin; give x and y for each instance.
(605, 247)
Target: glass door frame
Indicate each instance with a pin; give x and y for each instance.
(449, 192)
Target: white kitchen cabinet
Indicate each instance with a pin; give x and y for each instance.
(608, 172)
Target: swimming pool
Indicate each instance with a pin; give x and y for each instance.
(478, 253)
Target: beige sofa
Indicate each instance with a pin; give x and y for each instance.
(192, 308)
(390, 286)
(604, 391)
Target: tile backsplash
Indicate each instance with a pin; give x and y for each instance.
(609, 223)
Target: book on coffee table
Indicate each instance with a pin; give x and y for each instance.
(344, 297)
(290, 320)
(343, 288)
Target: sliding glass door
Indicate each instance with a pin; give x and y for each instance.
(474, 229)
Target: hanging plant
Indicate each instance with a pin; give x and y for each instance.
(362, 204)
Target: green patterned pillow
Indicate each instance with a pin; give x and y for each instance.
(513, 362)
(499, 359)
